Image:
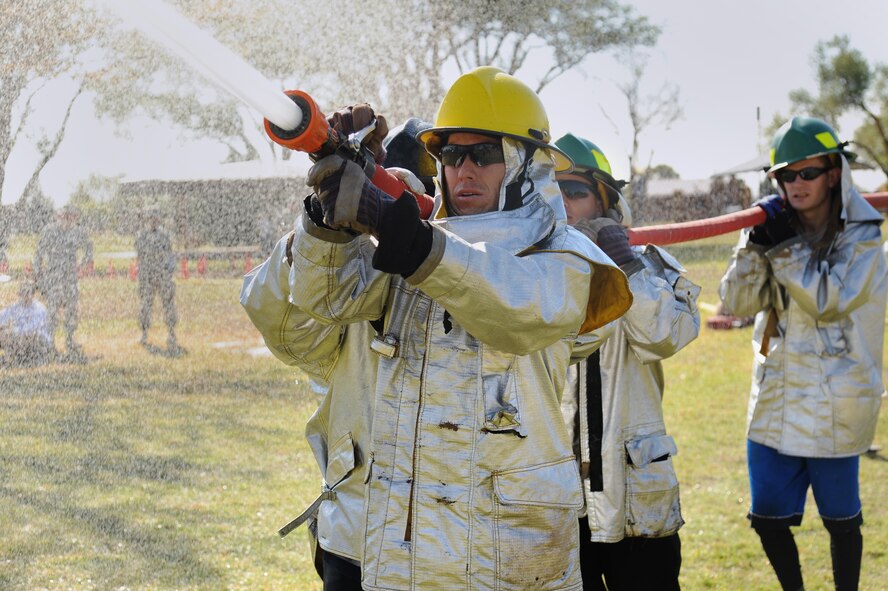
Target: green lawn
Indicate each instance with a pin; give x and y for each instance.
(138, 471)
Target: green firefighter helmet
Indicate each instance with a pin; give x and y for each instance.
(585, 154)
(590, 162)
(801, 138)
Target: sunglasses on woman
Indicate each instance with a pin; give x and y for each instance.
(809, 173)
(575, 189)
(481, 154)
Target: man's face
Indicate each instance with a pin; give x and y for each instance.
(580, 197)
(809, 196)
(472, 188)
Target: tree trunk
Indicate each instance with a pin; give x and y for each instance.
(10, 89)
(34, 181)
(877, 121)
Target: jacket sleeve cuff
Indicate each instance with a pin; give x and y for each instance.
(633, 266)
(323, 247)
(436, 253)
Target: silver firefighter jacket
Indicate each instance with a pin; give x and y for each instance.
(816, 387)
(441, 437)
(613, 406)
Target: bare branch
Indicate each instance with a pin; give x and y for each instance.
(877, 121)
(50, 152)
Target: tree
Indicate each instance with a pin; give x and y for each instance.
(663, 171)
(94, 197)
(505, 33)
(342, 55)
(41, 41)
(659, 109)
(847, 82)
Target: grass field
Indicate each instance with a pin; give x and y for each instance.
(138, 471)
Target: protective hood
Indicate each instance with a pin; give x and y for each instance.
(854, 207)
(523, 185)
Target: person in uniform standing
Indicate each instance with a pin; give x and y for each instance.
(56, 272)
(154, 253)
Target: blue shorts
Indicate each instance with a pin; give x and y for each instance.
(779, 485)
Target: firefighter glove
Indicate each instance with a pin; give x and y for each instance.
(772, 205)
(405, 240)
(610, 237)
(348, 199)
(354, 118)
(773, 230)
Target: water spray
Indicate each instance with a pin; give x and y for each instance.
(292, 118)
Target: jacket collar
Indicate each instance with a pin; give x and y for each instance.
(514, 230)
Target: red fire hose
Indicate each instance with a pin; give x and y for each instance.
(695, 230)
(315, 136)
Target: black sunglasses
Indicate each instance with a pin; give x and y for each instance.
(481, 154)
(575, 189)
(809, 173)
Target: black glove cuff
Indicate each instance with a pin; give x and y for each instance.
(780, 228)
(758, 235)
(404, 239)
(312, 206)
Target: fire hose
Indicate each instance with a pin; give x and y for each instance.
(697, 229)
(315, 136)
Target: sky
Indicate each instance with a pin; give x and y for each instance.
(727, 58)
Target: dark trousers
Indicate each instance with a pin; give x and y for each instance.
(632, 564)
(340, 574)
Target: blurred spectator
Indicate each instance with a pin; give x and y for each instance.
(154, 250)
(55, 270)
(24, 330)
(4, 238)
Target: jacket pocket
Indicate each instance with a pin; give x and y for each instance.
(536, 528)
(653, 508)
(341, 460)
(855, 410)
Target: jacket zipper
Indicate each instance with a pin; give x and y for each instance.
(408, 532)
